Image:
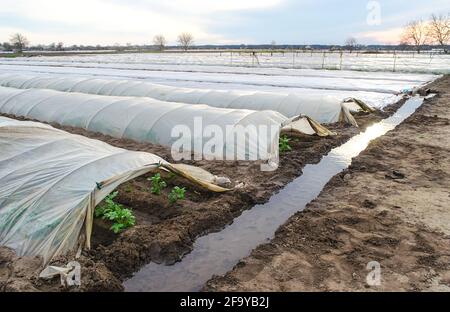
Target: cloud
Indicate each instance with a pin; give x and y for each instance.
(388, 36)
(102, 21)
(207, 6)
(210, 21)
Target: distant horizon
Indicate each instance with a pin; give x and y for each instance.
(234, 46)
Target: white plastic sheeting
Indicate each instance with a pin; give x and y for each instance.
(324, 109)
(407, 62)
(52, 180)
(48, 185)
(137, 62)
(149, 120)
(327, 87)
(249, 79)
(147, 61)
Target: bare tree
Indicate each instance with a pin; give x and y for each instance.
(60, 46)
(273, 45)
(19, 42)
(185, 40)
(160, 42)
(7, 46)
(118, 47)
(439, 29)
(351, 44)
(416, 33)
(403, 46)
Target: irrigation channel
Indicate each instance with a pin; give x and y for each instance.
(217, 253)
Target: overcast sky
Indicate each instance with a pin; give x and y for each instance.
(212, 22)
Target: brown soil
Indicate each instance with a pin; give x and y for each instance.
(165, 233)
(20, 274)
(391, 207)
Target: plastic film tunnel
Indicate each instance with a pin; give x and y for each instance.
(150, 120)
(323, 109)
(51, 182)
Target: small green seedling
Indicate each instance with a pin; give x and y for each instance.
(176, 194)
(128, 188)
(284, 144)
(157, 184)
(121, 217)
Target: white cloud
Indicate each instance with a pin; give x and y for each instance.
(207, 6)
(102, 21)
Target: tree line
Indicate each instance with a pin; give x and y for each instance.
(436, 30)
(418, 33)
(18, 43)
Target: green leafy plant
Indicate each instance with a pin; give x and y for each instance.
(157, 184)
(121, 217)
(176, 194)
(128, 188)
(284, 144)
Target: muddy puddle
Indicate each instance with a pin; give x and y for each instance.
(217, 253)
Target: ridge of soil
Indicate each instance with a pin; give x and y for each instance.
(391, 206)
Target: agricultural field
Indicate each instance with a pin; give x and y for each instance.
(241, 61)
(157, 223)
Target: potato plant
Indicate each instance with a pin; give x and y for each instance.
(284, 144)
(120, 217)
(157, 184)
(176, 194)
